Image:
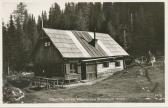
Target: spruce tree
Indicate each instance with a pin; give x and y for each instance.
(54, 16)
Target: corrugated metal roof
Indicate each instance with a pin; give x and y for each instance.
(75, 44)
(84, 38)
(110, 44)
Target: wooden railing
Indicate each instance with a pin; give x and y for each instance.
(27, 75)
(39, 81)
(72, 76)
(54, 82)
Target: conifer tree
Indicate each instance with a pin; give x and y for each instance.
(54, 16)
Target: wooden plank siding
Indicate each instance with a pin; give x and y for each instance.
(48, 61)
(49, 70)
(112, 67)
(47, 54)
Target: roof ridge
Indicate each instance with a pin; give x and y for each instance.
(73, 30)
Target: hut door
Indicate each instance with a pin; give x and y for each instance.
(83, 71)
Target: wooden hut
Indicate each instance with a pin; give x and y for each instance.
(77, 55)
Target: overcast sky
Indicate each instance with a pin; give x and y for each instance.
(34, 7)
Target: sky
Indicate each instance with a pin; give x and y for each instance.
(34, 7)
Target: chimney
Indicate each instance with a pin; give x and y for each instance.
(94, 40)
(94, 34)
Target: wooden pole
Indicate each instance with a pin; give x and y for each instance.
(96, 68)
(42, 27)
(42, 22)
(124, 64)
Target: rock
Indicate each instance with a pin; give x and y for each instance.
(12, 95)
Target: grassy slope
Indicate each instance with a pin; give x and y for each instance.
(117, 88)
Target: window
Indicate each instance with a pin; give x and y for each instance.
(117, 64)
(47, 44)
(105, 64)
(73, 68)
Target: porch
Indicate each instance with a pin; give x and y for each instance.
(53, 82)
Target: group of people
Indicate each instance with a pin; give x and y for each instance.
(149, 59)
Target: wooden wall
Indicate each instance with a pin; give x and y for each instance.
(90, 69)
(47, 54)
(67, 69)
(111, 68)
(47, 60)
(49, 70)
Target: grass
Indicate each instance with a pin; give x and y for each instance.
(124, 86)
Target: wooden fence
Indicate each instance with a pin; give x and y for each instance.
(24, 75)
(43, 82)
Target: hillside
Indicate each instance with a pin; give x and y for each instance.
(124, 86)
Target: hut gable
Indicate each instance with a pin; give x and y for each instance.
(77, 44)
(46, 53)
(64, 43)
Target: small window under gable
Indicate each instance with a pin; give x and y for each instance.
(47, 44)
